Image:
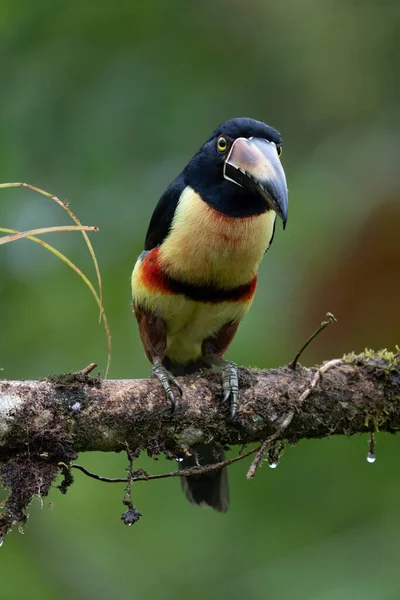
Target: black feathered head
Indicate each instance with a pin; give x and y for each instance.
(238, 169)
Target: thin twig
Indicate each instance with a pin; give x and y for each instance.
(183, 473)
(131, 515)
(193, 470)
(330, 319)
(5, 239)
(65, 205)
(272, 438)
(288, 419)
(328, 365)
(100, 477)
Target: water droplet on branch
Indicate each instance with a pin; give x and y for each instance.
(371, 449)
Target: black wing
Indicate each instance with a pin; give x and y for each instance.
(161, 220)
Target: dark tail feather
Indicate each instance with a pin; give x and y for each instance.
(210, 489)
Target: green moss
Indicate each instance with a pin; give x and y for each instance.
(386, 359)
(384, 365)
(376, 419)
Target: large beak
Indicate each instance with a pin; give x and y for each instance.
(254, 165)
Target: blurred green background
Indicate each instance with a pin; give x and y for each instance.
(103, 104)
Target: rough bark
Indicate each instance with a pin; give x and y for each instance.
(43, 423)
(357, 394)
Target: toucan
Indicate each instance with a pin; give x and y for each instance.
(196, 278)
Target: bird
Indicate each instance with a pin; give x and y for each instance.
(197, 276)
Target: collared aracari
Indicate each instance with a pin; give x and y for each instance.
(196, 278)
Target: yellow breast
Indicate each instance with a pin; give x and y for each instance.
(205, 246)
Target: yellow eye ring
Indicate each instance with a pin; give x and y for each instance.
(222, 144)
(279, 150)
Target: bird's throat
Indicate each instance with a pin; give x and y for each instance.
(207, 247)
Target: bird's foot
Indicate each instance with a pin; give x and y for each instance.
(166, 379)
(230, 382)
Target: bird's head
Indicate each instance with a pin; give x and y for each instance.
(238, 170)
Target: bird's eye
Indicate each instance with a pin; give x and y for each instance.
(279, 150)
(222, 144)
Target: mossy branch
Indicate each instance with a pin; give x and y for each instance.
(358, 394)
(45, 423)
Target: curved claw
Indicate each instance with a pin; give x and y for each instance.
(177, 385)
(172, 400)
(226, 397)
(234, 404)
(166, 379)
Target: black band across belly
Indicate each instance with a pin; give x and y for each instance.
(210, 293)
(156, 278)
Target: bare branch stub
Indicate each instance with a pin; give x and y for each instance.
(330, 319)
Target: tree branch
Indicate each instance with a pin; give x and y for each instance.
(44, 423)
(358, 394)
